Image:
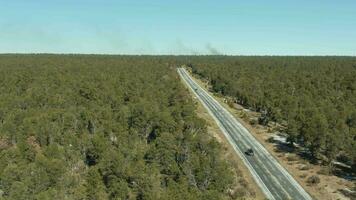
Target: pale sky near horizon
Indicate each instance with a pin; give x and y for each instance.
(232, 27)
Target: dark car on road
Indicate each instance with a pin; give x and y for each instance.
(249, 152)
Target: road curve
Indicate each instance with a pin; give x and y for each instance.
(273, 179)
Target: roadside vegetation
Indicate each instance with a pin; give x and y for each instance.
(104, 127)
(312, 98)
(338, 183)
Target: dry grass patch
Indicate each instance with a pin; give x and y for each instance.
(330, 186)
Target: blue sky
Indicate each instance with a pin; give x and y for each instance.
(233, 27)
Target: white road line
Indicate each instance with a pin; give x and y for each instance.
(270, 164)
(237, 150)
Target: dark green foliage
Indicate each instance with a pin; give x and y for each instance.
(314, 96)
(103, 127)
(313, 180)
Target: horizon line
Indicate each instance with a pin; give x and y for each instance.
(226, 55)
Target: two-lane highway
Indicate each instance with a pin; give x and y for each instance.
(272, 178)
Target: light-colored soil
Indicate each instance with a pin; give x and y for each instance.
(329, 186)
(246, 183)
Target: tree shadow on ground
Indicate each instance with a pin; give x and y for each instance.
(340, 170)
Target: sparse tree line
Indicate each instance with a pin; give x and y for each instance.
(104, 127)
(315, 97)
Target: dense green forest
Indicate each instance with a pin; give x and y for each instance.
(103, 127)
(314, 97)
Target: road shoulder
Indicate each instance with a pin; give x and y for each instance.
(329, 186)
(245, 182)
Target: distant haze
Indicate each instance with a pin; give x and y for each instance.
(229, 27)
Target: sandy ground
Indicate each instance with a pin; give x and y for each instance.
(246, 184)
(329, 186)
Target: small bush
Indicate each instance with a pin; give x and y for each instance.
(303, 175)
(243, 115)
(303, 161)
(240, 192)
(304, 167)
(253, 121)
(263, 120)
(271, 140)
(230, 104)
(243, 183)
(291, 158)
(324, 171)
(313, 180)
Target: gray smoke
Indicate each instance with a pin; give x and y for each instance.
(212, 50)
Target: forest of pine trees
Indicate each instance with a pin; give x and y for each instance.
(103, 127)
(314, 97)
(124, 127)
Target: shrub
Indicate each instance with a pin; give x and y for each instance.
(291, 158)
(313, 180)
(253, 121)
(271, 140)
(240, 192)
(324, 171)
(304, 167)
(230, 104)
(303, 175)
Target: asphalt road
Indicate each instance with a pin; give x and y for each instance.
(272, 178)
